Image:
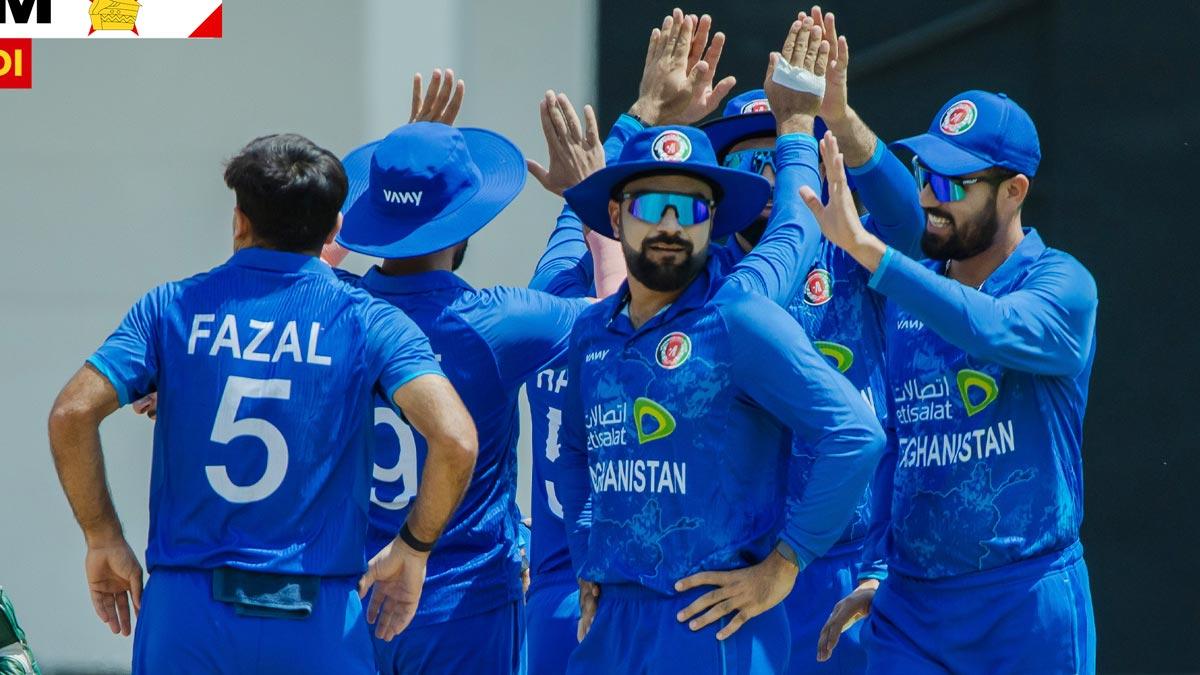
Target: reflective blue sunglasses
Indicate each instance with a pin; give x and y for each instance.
(750, 161)
(690, 209)
(945, 188)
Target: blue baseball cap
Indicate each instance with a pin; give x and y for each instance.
(675, 150)
(425, 187)
(747, 115)
(977, 130)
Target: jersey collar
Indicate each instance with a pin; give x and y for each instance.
(280, 261)
(406, 284)
(695, 295)
(1026, 252)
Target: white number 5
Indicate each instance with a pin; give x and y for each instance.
(227, 427)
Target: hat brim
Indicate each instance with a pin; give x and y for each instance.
(726, 132)
(942, 156)
(743, 195)
(369, 230)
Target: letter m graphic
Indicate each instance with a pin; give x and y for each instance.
(21, 9)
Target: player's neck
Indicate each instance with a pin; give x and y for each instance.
(645, 302)
(442, 261)
(975, 270)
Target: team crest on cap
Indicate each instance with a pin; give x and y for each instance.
(958, 118)
(758, 105)
(671, 146)
(818, 287)
(673, 350)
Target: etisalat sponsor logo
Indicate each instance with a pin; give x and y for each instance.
(652, 422)
(934, 401)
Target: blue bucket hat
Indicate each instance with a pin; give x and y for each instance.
(425, 187)
(977, 130)
(747, 115)
(675, 150)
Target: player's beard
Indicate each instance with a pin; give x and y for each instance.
(663, 277)
(753, 232)
(965, 240)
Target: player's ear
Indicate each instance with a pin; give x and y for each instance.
(1017, 188)
(242, 232)
(614, 217)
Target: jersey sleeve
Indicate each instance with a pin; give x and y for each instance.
(571, 479)
(1045, 327)
(398, 350)
(129, 358)
(623, 129)
(888, 192)
(777, 367)
(874, 560)
(561, 265)
(526, 329)
(776, 265)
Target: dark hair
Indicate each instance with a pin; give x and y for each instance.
(290, 189)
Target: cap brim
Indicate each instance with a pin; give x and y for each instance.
(742, 200)
(368, 230)
(942, 156)
(725, 132)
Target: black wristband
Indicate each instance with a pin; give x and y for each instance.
(415, 544)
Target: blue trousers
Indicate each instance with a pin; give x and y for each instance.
(181, 630)
(1034, 616)
(480, 644)
(635, 632)
(552, 617)
(818, 588)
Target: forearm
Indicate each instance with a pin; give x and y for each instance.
(855, 139)
(563, 250)
(874, 559)
(609, 263)
(79, 461)
(448, 468)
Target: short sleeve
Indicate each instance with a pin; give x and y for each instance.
(398, 350)
(129, 358)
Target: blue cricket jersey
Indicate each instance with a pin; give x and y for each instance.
(845, 318)
(267, 370)
(488, 342)
(565, 270)
(676, 436)
(990, 388)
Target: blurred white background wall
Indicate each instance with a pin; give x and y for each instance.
(111, 184)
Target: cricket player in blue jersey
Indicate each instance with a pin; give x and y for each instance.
(838, 311)
(267, 369)
(565, 269)
(990, 349)
(683, 390)
(416, 197)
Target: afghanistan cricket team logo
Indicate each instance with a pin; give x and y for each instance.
(671, 146)
(673, 350)
(818, 287)
(758, 105)
(958, 118)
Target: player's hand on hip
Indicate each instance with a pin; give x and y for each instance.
(849, 610)
(147, 405)
(745, 593)
(442, 100)
(575, 149)
(589, 600)
(803, 49)
(395, 577)
(835, 106)
(114, 578)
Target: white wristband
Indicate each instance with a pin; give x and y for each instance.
(797, 78)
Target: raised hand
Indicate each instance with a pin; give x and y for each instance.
(804, 48)
(575, 150)
(839, 219)
(835, 106)
(676, 86)
(441, 102)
